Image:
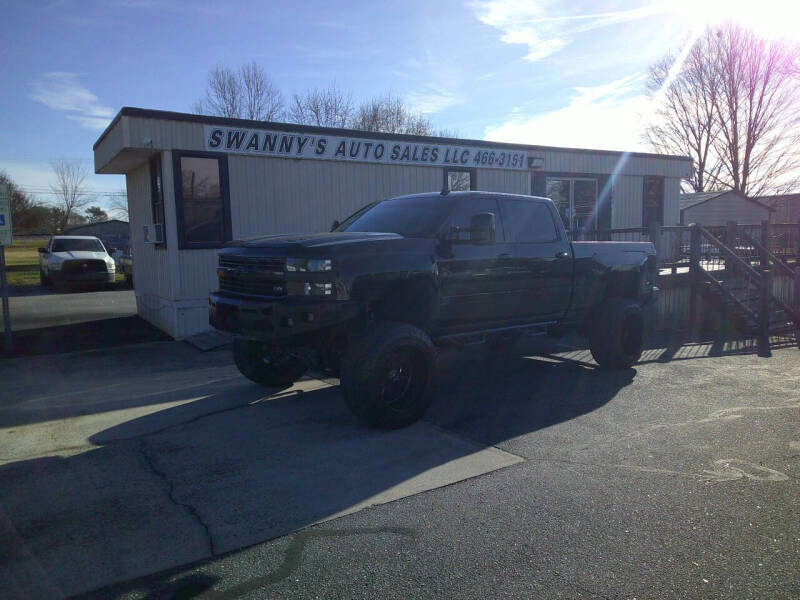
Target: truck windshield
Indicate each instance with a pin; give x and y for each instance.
(77, 245)
(410, 217)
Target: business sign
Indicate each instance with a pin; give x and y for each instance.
(259, 142)
(5, 215)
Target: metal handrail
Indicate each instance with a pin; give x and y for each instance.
(729, 254)
(760, 247)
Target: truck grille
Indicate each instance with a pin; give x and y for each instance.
(255, 275)
(84, 266)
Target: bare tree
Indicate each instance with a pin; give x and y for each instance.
(244, 94)
(118, 205)
(69, 189)
(329, 107)
(685, 117)
(757, 110)
(732, 108)
(389, 114)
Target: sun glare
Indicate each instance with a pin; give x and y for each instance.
(773, 19)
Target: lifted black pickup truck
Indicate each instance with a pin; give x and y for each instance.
(373, 299)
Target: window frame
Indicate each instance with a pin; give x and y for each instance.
(222, 162)
(660, 179)
(554, 214)
(154, 212)
(572, 179)
(473, 177)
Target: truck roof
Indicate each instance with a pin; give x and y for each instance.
(471, 193)
(75, 237)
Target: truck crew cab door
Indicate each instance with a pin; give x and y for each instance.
(540, 264)
(472, 278)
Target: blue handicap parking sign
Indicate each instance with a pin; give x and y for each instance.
(2, 220)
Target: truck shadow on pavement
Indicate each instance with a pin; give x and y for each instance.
(235, 465)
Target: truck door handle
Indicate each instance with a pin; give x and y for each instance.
(562, 254)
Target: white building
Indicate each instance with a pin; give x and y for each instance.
(717, 208)
(195, 182)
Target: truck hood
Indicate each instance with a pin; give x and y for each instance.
(313, 240)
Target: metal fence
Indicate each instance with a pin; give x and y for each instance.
(673, 251)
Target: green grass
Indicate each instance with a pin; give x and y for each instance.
(22, 262)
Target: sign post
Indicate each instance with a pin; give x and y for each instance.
(5, 240)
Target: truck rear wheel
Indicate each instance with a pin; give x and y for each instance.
(618, 336)
(255, 363)
(389, 375)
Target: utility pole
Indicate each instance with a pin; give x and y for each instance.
(5, 240)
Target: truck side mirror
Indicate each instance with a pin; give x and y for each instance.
(42, 250)
(482, 228)
(334, 225)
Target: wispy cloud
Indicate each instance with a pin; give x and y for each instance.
(430, 100)
(63, 92)
(547, 26)
(610, 116)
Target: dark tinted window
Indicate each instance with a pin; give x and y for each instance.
(467, 207)
(76, 245)
(527, 221)
(156, 191)
(410, 217)
(349, 220)
(203, 212)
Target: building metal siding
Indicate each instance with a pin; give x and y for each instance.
(164, 134)
(513, 182)
(626, 206)
(151, 270)
(721, 209)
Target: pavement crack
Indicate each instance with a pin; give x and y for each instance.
(191, 510)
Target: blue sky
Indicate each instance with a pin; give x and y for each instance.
(541, 72)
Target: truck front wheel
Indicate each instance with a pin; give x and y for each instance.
(389, 375)
(617, 338)
(264, 368)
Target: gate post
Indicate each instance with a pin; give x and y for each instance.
(730, 241)
(796, 304)
(694, 281)
(654, 230)
(765, 292)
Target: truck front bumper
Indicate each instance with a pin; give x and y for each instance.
(94, 277)
(269, 319)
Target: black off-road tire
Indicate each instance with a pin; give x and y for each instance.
(618, 336)
(389, 375)
(43, 280)
(253, 363)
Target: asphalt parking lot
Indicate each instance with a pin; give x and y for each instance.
(52, 323)
(156, 471)
(35, 311)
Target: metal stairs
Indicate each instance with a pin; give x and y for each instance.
(733, 280)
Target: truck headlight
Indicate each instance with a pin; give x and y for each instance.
(310, 265)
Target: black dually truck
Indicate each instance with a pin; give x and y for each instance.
(374, 300)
